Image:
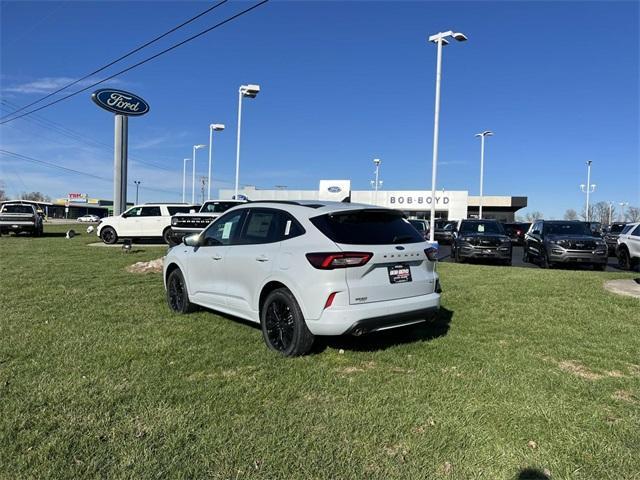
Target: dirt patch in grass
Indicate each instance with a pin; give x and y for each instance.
(625, 396)
(353, 369)
(579, 370)
(152, 266)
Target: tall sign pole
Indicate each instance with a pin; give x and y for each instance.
(120, 157)
(124, 105)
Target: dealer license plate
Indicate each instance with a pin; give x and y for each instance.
(399, 274)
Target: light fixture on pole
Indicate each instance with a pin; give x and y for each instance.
(486, 133)
(439, 39)
(184, 177)
(137, 182)
(193, 172)
(250, 91)
(377, 183)
(218, 127)
(588, 188)
(622, 205)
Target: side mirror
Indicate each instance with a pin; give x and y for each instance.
(192, 240)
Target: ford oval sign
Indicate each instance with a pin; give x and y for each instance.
(120, 102)
(335, 189)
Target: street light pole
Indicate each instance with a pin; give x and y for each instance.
(440, 40)
(212, 127)
(376, 162)
(244, 91)
(622, 205)
(184, 177)
(588, 188)
(137, 182)
(193, 172)
(486, 133)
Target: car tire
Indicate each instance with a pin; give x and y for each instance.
(544, 260)
(108, 235)
(177, 294)
(166, 235)
(624, 259)
(508, 262)
(601, 267)
(525, 256)
(283, 326)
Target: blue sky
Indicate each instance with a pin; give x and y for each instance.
(342, 83)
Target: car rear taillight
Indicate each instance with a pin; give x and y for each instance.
(431, 253)
(329, 261)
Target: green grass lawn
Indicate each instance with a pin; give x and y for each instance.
(527, 373)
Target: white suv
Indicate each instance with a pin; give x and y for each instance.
(142, 221)
(302, 269)
(628, 248)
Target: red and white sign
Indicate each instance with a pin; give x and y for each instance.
(77, 198)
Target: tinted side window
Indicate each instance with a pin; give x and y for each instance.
(224, 231)
(636, 232)
(151, 212)
(261, 226)
(289, 227)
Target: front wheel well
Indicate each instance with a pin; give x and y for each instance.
(170, 269)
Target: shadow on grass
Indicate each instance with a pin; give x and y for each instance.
(434, 328)
(532, 474)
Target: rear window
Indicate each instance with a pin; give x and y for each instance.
(17, 209)
(617, 227)
(418, 224)
(219, 207)
(367, 227)
(185, 209)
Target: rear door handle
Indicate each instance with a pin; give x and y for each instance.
(217, 257)
(262, 258)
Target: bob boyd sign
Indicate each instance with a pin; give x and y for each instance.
(120, 102)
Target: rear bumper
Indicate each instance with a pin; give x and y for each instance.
(21, 225)
(371, 317)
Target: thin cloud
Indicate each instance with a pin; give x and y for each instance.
(49, 84)
(453, 162)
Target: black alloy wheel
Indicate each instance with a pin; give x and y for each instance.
(544, 260)
(108, 235)
(166, 235)
(624, 260)
(283, 326)
(177, 296)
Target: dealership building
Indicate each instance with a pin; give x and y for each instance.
(450, 204)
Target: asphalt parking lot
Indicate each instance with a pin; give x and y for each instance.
(445, 256)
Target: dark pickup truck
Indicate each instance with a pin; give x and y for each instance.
(20, 217)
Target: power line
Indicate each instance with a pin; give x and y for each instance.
(113, 62)
(142, 62)
(72, 170)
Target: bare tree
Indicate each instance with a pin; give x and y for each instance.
(600, 213)
(35, 197)
(632, 214)
(533, 216)
(570, 214)
(3, 195)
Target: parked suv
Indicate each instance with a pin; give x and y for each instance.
(20, 217)
(516, 231)
(142, 221)
(481, 239)
(302, 269)
(628, 249)
(557, 241)
(443, 231)
(611, 236)
(422, 226)
(187, 223)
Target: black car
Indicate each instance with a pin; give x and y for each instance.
(611, 236)
(516, 231)
(558, 241)
(443, 231)
(481, 239)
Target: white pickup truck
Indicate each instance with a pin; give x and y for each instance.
(183, 224)
(20, 217)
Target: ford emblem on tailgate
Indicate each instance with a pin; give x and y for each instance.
(334, 189)
(119, 101)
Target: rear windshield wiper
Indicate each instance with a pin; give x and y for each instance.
(402, 239)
